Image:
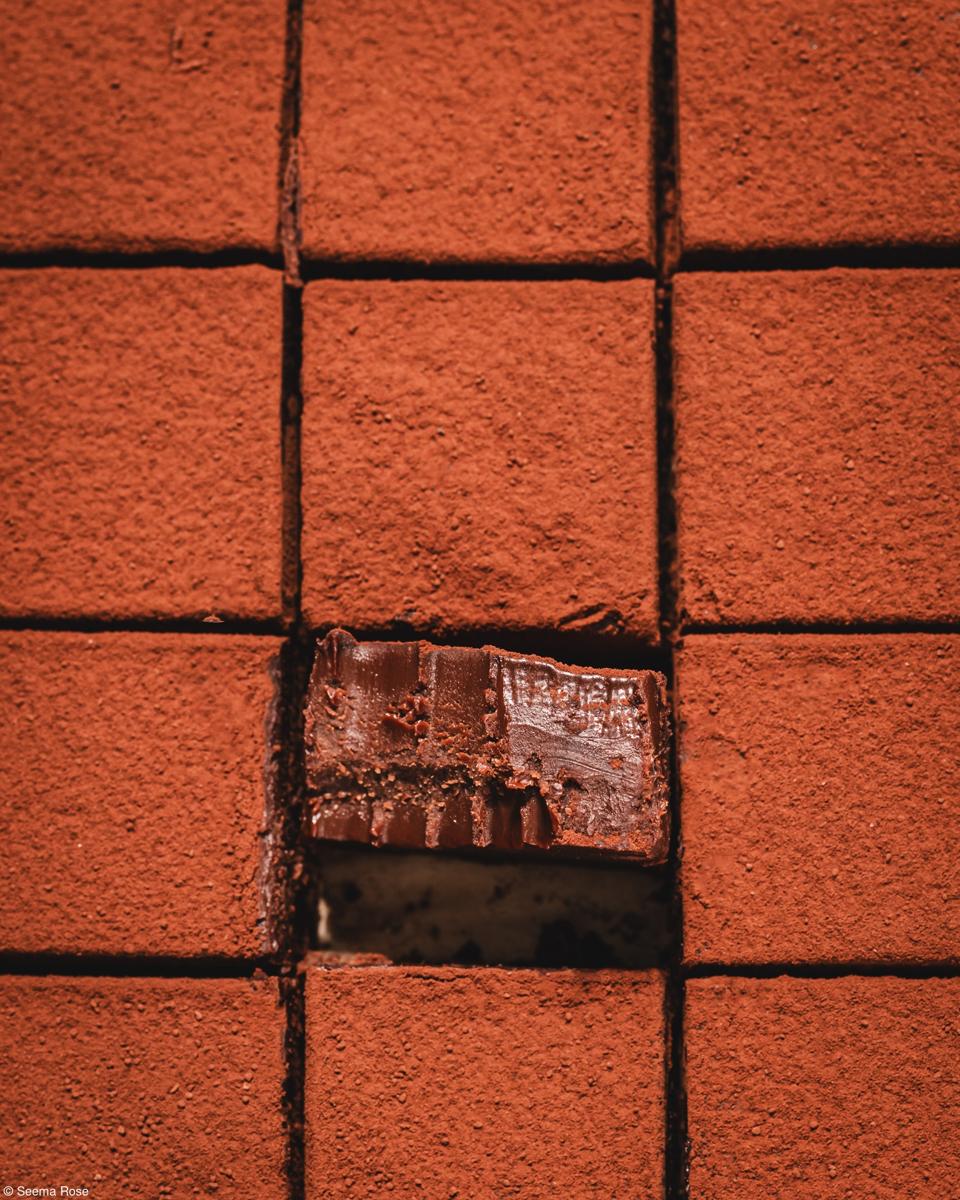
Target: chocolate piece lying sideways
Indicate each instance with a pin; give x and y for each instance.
(409, 744)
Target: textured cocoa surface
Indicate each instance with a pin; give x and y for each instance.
(460, 131)
(823, 1089)
(488, 1083)
(135, 125)
(480, 455)
(817, 124)
(142, 1087)
(821, 798)
(132, 792)
(818, 443)
(140, 429)
(476, 460)
(446, 747)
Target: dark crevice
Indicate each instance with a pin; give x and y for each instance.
(256, 628)
(298, 270)
(283, 882)
(290, 417)
(666, 194)
(937, 969)
(576, 648)
(291, 920)
(507, 272)
(294, 1083)
(285, 804)
(817, 258)
(272, 867)
(488, 909)
(139, 260)
(288, 183)
(134, 966)
(759, 261)
(847, 628)
(666, 490)
(665, 141)
(677, 1161)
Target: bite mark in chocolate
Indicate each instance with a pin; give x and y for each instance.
(414, 745)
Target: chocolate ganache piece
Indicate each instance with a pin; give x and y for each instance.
(409, 744)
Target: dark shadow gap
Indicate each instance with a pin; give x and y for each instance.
(289, 918)
(288, 175)
(139, 260)
(833, 970)
(429, 908)
(291, 409)
(691, 262)
(810, 258)
(294, 1082)
(303, 270)
(666, 471)
(574, 647)
(666, 190)
(463, 272)
(133, 966)
(282, 874)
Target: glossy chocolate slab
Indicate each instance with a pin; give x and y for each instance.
(409, 744)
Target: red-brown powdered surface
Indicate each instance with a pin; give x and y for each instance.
(142, 1087)
(823, 1089)
(132, 792)
(140, 125)
(818, 445)
(471, 415)
(464, 131)
(821, 798)
(139, 431)
(480, 455)
(818, 124)
(484, 1084)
